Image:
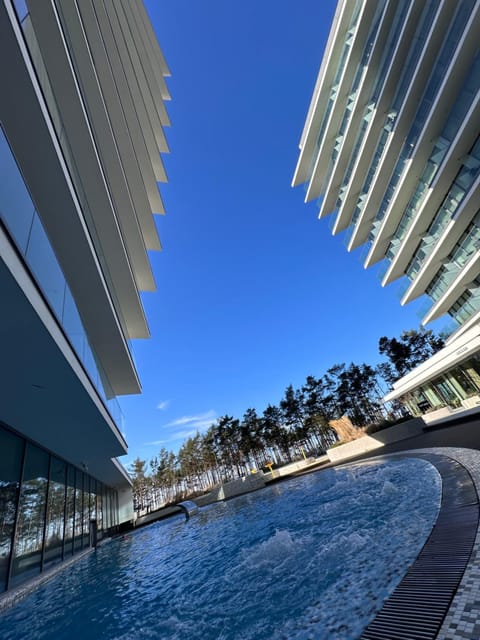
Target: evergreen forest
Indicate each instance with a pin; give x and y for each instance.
(299, 426)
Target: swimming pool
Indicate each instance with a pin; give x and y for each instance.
(312, 557)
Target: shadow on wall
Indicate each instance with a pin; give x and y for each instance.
(366, 443)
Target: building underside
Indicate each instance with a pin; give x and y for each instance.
(82, 120)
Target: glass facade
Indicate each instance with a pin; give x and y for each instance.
(460, 255)
(381, 75)
(338, 76)
(22, 221)
(11, 459)
(468, 304)
(362, 67)
(415, 51)
(452, 388)
(453, 124)
(438, 73)
(46, 507)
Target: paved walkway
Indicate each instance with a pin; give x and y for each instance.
(460, 432)
(419, 604)
(462, 621)
(459, 439)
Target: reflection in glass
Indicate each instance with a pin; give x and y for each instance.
(78, 509)
(86, 511)
(106, 509)
(31, 515)
(92, 501)
(55, 513)
(70, 512)
(11, 453)
(21, 9)
(43, 263)
(45, 511)
(16, 207)
(99, 509)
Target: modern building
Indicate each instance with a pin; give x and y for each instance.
(391, 150)
(82, 119)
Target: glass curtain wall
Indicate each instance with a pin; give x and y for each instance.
(23, 224)
(11, 458)
(46, 509)
(56, 505)
(450, 389)
(31, 514)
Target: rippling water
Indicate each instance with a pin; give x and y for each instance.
(312, 557)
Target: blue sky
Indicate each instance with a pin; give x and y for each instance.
(254, 293)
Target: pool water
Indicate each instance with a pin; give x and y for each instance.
(312, 557)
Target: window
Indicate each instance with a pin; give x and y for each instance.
(31, 515)
(11, 454)
(55, 528)
(70, 512)
(78, 510)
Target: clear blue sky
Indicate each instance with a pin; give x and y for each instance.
(254, 293)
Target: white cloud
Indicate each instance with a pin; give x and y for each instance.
(198, 421)
(163, 405)
(190, 426)
(180, 435)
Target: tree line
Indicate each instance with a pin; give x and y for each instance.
(299, 426)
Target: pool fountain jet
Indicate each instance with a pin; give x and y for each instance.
(189, 507)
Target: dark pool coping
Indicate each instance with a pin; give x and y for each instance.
(435, 597)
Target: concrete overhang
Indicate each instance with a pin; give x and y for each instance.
(456, 351)
(154, 75)
(26, 122)
(112, 473)
(444, 244)
(46, 394)
(455, 289)
(139, 169)
(105, 116)
(321, 91)
(155, 98)
(445, 98)
(363, 95)
(102, 221)
(159, 64)
(103, 51)
(329, 138)
(128, 93)
(449, 168)
(141, 73)
(156, 49)
(137, 86)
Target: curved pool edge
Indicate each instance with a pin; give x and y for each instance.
(460, 620)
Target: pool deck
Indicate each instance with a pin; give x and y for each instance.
(437, 598)
(458, 438)
(462, 621)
